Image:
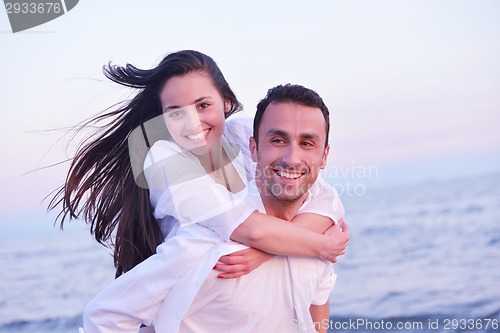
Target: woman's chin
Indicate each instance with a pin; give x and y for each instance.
(200, 150)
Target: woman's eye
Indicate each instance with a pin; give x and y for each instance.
(203, 106)
(174, 114)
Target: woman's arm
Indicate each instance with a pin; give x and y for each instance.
(243, 262)
(313, 222)
(273, 235)
(277, 236)
(201, 200)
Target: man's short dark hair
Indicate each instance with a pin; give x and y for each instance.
(290, 93)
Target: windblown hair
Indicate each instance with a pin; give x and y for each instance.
(100, 187)
(293, 93)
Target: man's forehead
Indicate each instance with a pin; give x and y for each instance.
(293, 117)
(289, 109)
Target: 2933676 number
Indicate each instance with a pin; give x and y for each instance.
(33, 7)
(470, 324)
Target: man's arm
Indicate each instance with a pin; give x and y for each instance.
(320, 315)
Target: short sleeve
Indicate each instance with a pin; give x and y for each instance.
(323, 200)
(325, 286)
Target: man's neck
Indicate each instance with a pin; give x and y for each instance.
(285, 210)
(281, 209)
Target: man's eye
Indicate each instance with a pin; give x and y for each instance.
(307, 144)
(277, 140)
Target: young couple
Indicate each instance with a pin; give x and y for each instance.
(182, 190)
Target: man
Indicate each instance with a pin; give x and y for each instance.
(290, 146)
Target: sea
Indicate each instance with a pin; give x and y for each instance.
(422, 258)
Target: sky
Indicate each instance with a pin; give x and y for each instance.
(412, 86)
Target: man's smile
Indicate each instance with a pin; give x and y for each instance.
(288, 174)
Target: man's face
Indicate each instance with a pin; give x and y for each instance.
(291, 150)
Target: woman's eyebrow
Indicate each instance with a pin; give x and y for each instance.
(194, 102)
(201, 98)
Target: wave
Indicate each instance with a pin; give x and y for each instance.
(55, 325)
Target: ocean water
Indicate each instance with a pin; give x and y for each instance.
(426, 253)
(422, 258)
(48, 276)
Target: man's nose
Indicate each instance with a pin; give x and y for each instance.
(292, 155)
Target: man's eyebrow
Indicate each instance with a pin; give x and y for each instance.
(194, 102)
(278, 132)
(310, 136)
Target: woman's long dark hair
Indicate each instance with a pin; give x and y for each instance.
(100, 185)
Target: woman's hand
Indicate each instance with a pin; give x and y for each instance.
(344, 227)
(339, 239)
(241, 262)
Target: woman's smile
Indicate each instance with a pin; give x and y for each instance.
(198, 137)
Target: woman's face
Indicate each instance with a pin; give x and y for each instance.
(193, 110)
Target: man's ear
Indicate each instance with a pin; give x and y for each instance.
(253, 148)
(325, 157)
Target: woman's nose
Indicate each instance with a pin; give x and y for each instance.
(192, 120)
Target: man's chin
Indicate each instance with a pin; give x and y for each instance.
(288, 196)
